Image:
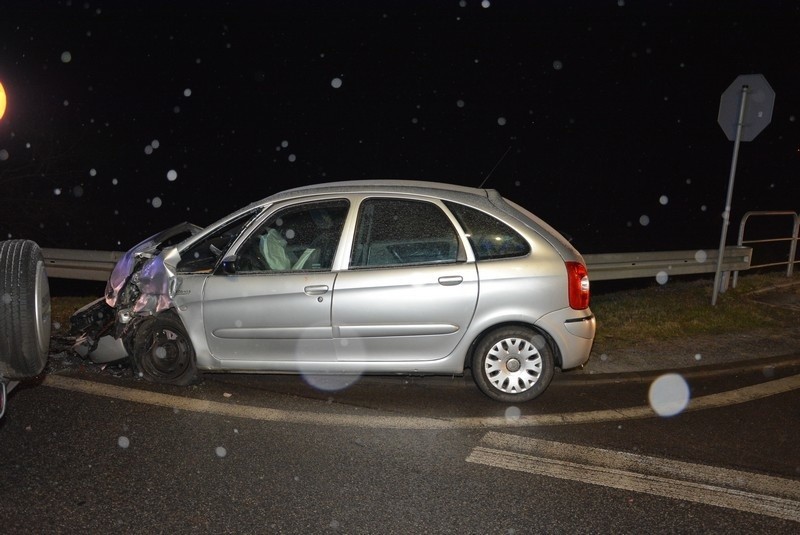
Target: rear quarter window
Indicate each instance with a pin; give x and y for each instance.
(489, 237)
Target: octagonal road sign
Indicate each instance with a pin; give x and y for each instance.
(758, 106)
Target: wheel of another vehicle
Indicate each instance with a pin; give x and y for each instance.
(24, 310)
(512, 364)
(162, 351)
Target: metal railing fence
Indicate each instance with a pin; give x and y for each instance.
(791, 259)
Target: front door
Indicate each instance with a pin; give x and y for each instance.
(276, 307)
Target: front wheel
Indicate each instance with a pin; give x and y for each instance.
(162, 351)
(512, 364)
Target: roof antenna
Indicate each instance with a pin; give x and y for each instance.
(495, 167)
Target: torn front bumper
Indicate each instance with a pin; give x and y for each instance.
(97, 338)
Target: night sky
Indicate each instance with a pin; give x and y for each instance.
(599, 116)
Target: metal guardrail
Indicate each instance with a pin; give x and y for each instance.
(619, 266)
(97, 265)
(791, 259)
(79, 264)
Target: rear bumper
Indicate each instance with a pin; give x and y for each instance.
(573, 332)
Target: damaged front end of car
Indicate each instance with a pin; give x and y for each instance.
(141, 285)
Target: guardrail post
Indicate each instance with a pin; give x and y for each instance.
(724, 281)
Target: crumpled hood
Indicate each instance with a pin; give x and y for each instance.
(154, 275)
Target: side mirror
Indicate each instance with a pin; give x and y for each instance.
(229, 265)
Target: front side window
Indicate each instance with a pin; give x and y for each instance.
(296, 238)
(490, 238)
(203, 255)
(398, 232)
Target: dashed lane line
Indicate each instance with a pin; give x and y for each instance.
(375, 420)
(743, 491)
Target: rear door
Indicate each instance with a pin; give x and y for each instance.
(408, 293)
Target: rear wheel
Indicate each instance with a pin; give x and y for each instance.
(24, 310)
(512, 364)
(162, 351)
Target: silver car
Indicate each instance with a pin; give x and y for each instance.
(362, 277)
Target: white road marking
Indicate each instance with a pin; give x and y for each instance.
(732, 489)
(722, 399)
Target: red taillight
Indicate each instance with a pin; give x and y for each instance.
(578, 285)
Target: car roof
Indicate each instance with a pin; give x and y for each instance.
(382, 186)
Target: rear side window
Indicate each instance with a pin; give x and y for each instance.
(490, 238)
(399, 232)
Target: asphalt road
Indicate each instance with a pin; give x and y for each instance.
(86, 450)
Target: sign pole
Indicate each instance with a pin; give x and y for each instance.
(726, 215)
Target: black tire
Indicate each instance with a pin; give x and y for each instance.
(163, 352)
(24, 310)
(512, 364)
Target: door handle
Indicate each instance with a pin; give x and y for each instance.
(317, 289)
(451, 281)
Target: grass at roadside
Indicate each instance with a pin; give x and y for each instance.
(683, 308)
(676, 309)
